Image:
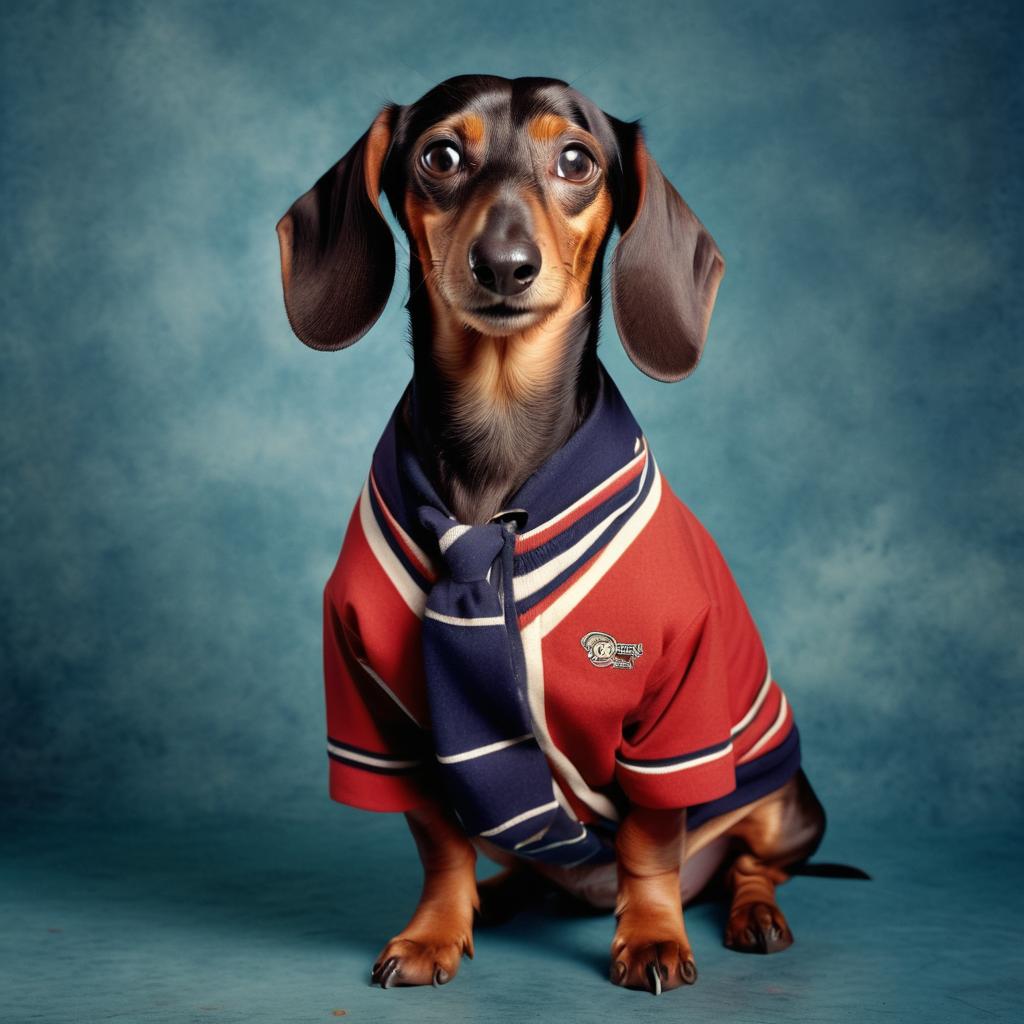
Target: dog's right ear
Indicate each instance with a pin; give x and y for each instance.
(337, 252)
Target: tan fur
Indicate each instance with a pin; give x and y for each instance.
(471, 128)
(285, 235)
(547, 127)
(494, 371)
(379, 138)
(659, 864)
(429, 948)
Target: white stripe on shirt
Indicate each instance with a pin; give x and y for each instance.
(454, 620)
(525, 816)
(490, 748)
(379, 762)
(529, 583)
(387, 689)
(776, 726)
(408, 589)
(540, 527)
(751, 714)
(664, 769)
(426, 563)
(449, 537)
(561, 842)
(756, 706)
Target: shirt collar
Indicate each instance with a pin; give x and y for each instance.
(607, 441)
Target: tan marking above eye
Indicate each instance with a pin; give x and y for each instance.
(547, 127)
(469, 128)
(472, 128)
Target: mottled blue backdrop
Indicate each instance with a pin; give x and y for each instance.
(178, 470)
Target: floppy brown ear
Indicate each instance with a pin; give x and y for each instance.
(337, 252)
(666, 269)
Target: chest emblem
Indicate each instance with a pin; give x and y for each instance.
(603, 651)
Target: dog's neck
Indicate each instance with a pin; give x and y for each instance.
(486, 412)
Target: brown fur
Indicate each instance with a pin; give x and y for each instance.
(547, 127)
(496, 395)
(501, 388)
(498, 376)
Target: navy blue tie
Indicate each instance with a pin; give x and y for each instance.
(496, 775)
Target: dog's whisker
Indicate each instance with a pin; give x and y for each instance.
(568, 269)
(431, 271)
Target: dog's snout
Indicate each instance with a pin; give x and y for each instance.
(504, 258)
(502, 266)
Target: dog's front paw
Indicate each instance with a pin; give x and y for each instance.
(407, 961)
(652, 966)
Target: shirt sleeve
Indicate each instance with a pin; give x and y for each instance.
(676, 748)
(378, 755)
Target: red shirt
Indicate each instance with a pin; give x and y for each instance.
(647, 678)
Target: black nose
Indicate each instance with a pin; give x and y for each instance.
(506, 267)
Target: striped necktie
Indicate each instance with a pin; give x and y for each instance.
(497, 777)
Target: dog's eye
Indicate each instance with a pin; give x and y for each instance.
(441, 158)
(575, 164)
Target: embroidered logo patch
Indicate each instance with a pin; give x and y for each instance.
(603, 651)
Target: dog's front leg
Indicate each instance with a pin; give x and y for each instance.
(650, 949)
(429, 948)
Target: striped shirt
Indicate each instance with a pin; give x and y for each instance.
(646, 678)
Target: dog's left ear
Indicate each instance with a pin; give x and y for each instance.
(666, 269)
(337, 252)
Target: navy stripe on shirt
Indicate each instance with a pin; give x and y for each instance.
(754, 779)
(657, 762)
(351, 755)
(601, 542)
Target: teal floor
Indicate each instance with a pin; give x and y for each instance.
(280, 922)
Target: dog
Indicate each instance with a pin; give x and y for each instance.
(511, 440)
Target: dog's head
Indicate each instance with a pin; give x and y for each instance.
(508, 190)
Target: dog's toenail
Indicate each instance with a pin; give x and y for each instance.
(689, 972)
(654, 978)
(390, 971)
(618, 972)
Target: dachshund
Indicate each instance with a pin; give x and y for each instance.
(508, 191)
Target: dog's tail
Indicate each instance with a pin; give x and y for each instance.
(824, 870)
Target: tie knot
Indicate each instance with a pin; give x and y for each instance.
(468, 551)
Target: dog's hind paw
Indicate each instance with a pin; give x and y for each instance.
(757, 928)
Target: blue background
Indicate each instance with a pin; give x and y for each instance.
(177, 469)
